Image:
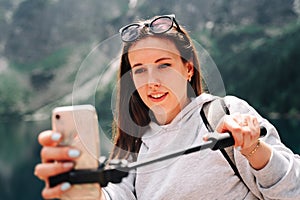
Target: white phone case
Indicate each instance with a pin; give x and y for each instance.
(79, 127)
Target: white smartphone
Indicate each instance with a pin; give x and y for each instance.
(79, 127)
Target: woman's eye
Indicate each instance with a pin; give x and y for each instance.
(139, 71)
(165, 65)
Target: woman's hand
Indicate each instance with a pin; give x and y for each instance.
(245, 130)
(55, 160)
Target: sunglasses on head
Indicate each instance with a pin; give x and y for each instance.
(158, 25)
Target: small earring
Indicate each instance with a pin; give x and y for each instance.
(189, 79)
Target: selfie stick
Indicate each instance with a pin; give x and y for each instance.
(119, 169)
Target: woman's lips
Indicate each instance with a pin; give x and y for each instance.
(157, 97)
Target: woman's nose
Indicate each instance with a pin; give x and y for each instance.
(153, 78)
(154, 85)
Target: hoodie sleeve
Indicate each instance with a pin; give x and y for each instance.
(280, 178)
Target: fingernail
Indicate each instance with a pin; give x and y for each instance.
(239, 148)
(73, 153)
(68, 165)
(55, 136)
(65, 186)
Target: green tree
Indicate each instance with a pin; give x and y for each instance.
(12, 95)
(263, 70)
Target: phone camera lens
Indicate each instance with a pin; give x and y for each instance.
(57, 116)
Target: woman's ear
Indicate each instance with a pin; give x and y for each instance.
(190, 70)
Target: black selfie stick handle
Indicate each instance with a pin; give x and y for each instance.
(83, 176)
(224, 140)
(116, 173)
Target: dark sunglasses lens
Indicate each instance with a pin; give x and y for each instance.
(130, 33)
(161, 25)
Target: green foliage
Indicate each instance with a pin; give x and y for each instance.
(265, 74)
(12, 96)
(53, 61)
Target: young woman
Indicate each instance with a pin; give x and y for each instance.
(159, 101)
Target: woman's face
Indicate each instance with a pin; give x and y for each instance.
(160, 76)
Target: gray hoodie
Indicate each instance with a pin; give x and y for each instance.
(206, 174)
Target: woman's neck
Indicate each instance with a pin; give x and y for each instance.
(164, 118)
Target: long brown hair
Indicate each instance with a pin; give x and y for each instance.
(133, 115)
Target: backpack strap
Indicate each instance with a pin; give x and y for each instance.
(211, 113)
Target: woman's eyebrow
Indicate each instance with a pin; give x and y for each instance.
(157, 61)
(136, 65)
(162, 59)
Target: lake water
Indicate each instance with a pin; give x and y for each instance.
(18, 156)
(19, 153)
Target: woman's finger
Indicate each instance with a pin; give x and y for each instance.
(49, 154)
(247, 137)
(45, 170)
(230, 124)
(49, 138)
(255, 127)
(55, 192)
(225, 123)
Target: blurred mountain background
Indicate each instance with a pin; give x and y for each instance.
(43, 44)
(254, 43)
